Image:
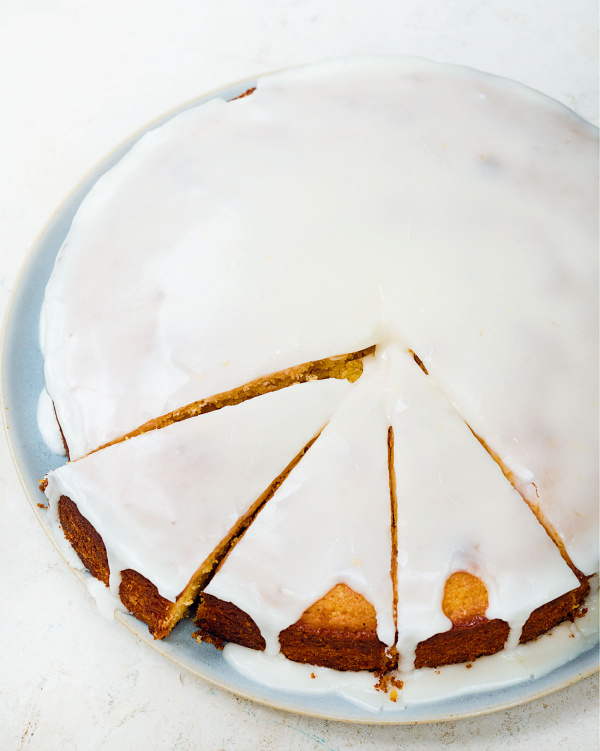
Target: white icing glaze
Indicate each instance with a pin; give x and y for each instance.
(339, 206)
(457, 512)
(531, 660)
(46, 420)
(278, 672)
(503, 669)
(329, 523)
(164, 500)
(381, 201)
(106, 602)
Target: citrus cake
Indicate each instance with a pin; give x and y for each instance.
(324, 358)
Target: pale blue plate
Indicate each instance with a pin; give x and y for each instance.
(22, 381)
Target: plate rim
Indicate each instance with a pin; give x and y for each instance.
(289, 701)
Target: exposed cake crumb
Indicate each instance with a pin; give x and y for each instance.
(209, 639)
(384, 683)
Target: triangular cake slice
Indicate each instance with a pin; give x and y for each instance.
(473, 561)
(312, 575)
(65, 432)
(153, 515)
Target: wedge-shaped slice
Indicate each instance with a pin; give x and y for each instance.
(312, 574)
(169, 503)
(457, 512)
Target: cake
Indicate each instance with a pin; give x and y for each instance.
(440, 470)
(201, 481)
(324, 360)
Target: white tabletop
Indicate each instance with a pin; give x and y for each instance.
(76, 78)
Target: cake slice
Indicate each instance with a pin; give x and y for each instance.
(151, 516)
(311, 577)
(473, 560)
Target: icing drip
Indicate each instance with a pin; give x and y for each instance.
(46, 420)
(328, 523)
(457, 512)
(423, 208)
(498, 671)
(337, 204)
(163, 501)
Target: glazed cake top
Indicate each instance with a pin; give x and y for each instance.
(345, 205)
(165, 500)
(329, 522)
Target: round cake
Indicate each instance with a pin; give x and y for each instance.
(324, 359)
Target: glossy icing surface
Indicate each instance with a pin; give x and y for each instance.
(329, 522)
(382, 202)
(163, 501)
(46, 420)
(340, 206)
(503, 669)
(458, 512)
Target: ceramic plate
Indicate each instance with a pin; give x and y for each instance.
(22, 382)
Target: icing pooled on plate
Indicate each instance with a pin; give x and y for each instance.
(338, 207)
(382, 203)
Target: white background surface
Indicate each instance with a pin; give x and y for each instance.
(75, 79)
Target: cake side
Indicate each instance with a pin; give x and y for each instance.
(339, 631)
(323, 547)
(169, 504)
(321, 637)
(469, 549)
(567, 607)
(137, 593)
(473, 635)
(503, 184)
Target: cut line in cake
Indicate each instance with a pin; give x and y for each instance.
(541, 592)
(312, 573)
(344, 367)
(447, 487)
(231, 280)
(467, 637)
(465, 599)
(347, 367)
(200, 481)
(394, 518)
(511, 476)
(535, 508)
(243, 237)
